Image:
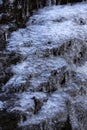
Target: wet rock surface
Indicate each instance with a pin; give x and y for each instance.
(43, 84)
(15, 13)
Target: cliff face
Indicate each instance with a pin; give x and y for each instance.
(43, 79)
(43, 67)
(18, 11)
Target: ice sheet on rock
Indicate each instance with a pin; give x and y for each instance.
(26, 96)
(26, 104)
(34, 71)
(59, 24)
(82, 69)
(14, 83)
(1, 105)
(17, 40)
(50, 29)
(46, 69)
(55, 105)
(58, 14)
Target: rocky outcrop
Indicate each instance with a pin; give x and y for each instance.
(45, 87)
(6, 59)
(16, 12)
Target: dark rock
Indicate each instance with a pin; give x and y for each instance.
(8, 121)
(18, 11)
(2, 40)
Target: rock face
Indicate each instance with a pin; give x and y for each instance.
(2, 40)
(16, 12)
(45, 87)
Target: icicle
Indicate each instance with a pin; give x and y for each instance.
(40, 4)
(48, 3)
(41, 127)
(59, 2)
(23, 12)
(6, 36)
(27, 9)
(37, 4)
(53, 2)
(67, 2)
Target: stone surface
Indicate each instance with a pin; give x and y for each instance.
(16, 12)
(43, 85)
(2, 40)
